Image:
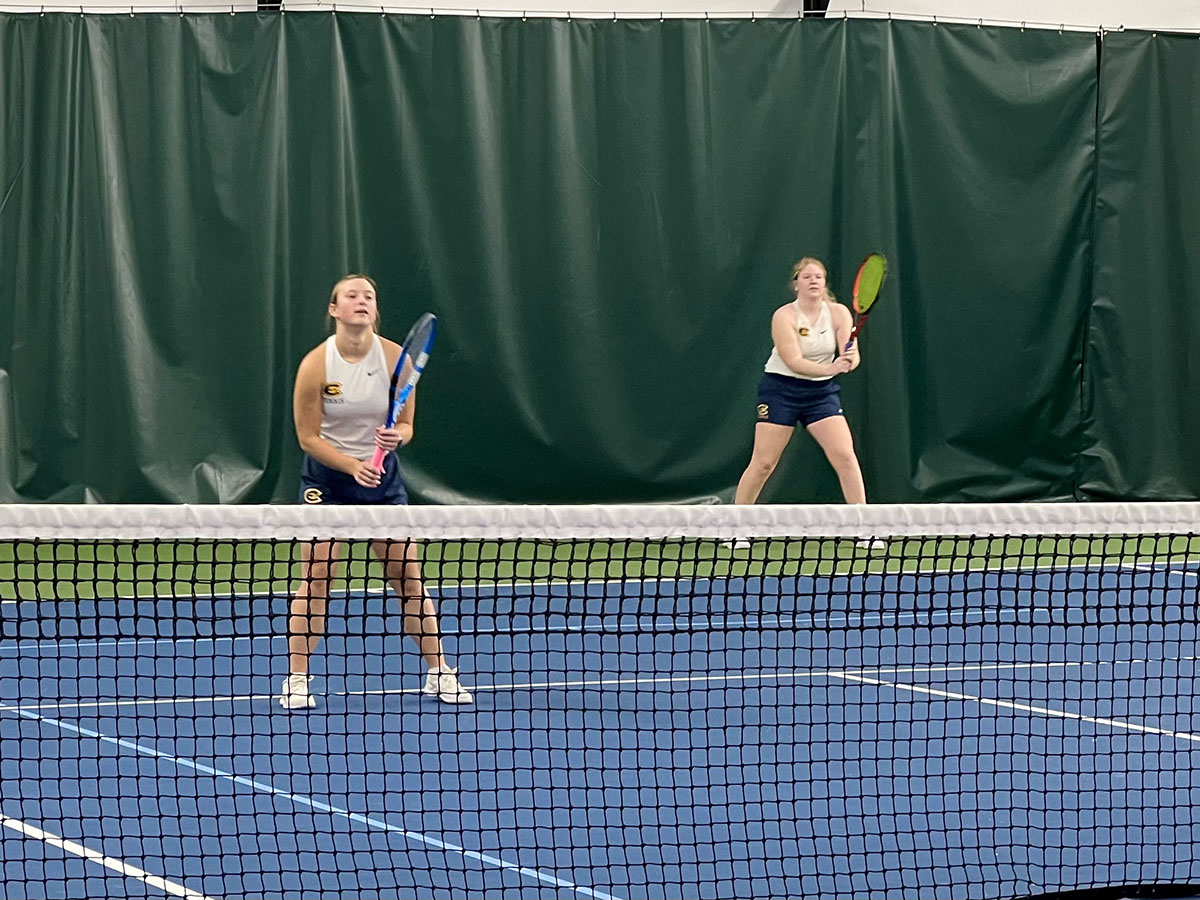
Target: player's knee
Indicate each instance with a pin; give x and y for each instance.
(412, 595)
(316, 582)
(843, 459)
(763, 466)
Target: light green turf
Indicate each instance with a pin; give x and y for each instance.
(64, 570)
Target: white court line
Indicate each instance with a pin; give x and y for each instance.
(1024, 707)
(631, 681)
(1168, 569)
(183, 762)
(116, 865)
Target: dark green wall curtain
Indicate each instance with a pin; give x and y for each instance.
(603, 214)
(1142, 385)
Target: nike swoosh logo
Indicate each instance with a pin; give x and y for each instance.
(369, 374)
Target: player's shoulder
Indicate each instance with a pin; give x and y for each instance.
(391, 350)
(314, 361)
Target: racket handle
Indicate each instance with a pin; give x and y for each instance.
(377, 459)
(854, 334)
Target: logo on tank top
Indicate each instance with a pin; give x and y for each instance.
(333, 391)
(803, 332)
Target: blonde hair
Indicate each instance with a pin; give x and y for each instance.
(812, 261)
(334, 293)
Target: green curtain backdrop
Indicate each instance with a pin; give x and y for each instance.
(603, 214)
(1142, 390)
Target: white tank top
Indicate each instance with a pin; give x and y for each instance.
(354, 399)
(818, 343)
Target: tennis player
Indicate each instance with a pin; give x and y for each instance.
(341, 396)
(800, 384)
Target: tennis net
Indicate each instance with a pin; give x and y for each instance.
(941, 701)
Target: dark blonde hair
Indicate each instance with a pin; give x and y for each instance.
(812, 261)
(353, 275)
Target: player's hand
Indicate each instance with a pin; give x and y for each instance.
(387, 438)
(841, 365)
(852, 355)
(365, 475)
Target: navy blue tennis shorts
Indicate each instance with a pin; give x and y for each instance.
(783, 400)
(321, 484)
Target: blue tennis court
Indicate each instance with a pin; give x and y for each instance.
(991, 734)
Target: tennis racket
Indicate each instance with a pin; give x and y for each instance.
(414, 353)
(867, 284)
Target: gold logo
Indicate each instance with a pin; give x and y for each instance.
(803, 332)
(763, 409)
(312, 495)
(333, 389)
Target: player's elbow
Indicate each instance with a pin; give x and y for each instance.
(308, 442)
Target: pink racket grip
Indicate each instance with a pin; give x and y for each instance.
(377, 459)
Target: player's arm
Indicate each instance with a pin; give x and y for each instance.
(404, 420)
(787, 342)
(306, 411)
(843, 324)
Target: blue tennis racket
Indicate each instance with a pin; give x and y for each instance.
(414, 353)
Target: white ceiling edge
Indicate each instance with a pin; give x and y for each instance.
(1067, 15)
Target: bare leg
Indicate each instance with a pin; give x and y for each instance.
(769, 442)
(833, 434)
(306, 623)
(402, 569)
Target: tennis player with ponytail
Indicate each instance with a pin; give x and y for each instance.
(340, 399)
(815, 343)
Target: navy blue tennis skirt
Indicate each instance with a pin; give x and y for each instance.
(784, 400)
(321, 484)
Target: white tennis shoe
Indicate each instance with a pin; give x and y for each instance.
(442, 682)
(295, 695)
